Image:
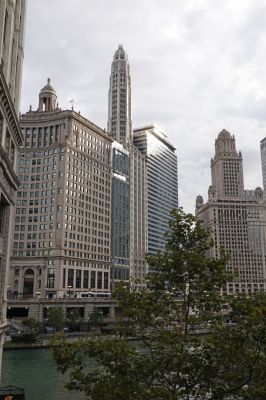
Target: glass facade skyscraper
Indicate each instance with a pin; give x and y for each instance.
(162, 184)
(120, 213)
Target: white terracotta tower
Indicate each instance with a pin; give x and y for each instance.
(119, 108)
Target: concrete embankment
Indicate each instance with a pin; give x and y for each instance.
(43, 341)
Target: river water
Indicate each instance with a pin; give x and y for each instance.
(35, 371)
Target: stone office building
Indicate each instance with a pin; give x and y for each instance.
(61, 237)
(236, 218)
(12, 23)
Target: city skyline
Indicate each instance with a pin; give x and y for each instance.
(191, 84)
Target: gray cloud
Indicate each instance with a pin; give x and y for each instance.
(197, 67)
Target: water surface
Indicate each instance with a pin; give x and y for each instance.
(35, 371)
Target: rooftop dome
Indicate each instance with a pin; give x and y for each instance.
(48, 88)
(47, 98)
(224, 134)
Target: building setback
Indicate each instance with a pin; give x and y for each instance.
(12, 23)
(61, 236)
(236, 218)
(162, 187)
(129, 243)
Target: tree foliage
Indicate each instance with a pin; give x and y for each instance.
(96, 318)
(55, 317)
(184, 350)
(74, 319)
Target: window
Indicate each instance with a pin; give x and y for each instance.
(78, 278)
(51, 278)
(106, 280)
(64, 278)
(99, 280)
(93, 279)
(85, 279)
(70, 277)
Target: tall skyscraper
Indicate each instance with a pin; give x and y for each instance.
(263, 162)
(12, 23)
(236, 218)
(161, 162)
(61, 235)
(128, 201)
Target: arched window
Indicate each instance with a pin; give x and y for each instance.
(29, 271)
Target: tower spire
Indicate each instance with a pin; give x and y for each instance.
(119, 105)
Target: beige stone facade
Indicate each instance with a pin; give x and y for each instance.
(61, 237)
(12, 21)
(236, 218)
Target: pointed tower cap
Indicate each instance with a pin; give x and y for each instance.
(120, 53)
(224, 134)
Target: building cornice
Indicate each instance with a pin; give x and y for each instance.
(9, 109)
(33, 117)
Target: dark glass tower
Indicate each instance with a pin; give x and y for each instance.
(120, 213)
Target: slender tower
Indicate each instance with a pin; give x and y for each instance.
(119, 108)
(128, 181)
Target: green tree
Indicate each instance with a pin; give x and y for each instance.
(55, 318)
(74, 319)
(185, 351)
(96, 318)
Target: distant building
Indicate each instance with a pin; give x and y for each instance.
(162, 186)
(128, 195)
(263, 162)
(12, 23)
(62, 226)
(236, 218)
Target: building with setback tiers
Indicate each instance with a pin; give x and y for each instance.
(161, 162)
(236, 218)
(12, 23)
(129, 202)
(62, 224)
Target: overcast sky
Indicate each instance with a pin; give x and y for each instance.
(197, 66)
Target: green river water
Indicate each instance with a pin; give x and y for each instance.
(35, 371)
